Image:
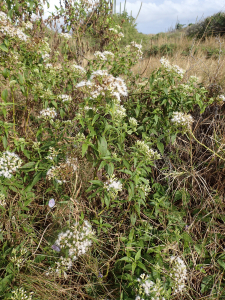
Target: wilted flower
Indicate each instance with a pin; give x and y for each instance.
(56, 248)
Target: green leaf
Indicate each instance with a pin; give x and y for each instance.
(109, 168)
(221, 263)
(28, 165)
(160, 146)
(21, 79)
(102, 146)
(138, 255)
(37, 177)
(4, 95)
(134, 265)
(133, 218)
(84, 149)
(4, 283)
(95, 119)
(4, 48)
(39, 258)
(173, 138)
(4, 141)
(142, 266)
(6, 73)
(207, 283)
(127, 259)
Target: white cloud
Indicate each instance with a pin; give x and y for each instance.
(160, 15)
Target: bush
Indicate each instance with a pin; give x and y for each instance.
(211, 26)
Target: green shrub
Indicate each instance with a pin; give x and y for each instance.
(211, 26)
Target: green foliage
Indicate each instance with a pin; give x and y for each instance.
(211, 26)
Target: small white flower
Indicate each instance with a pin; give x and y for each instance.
(48, 113)
(181, 119)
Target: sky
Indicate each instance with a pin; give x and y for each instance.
(161, 15)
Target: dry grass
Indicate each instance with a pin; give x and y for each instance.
(208, 70)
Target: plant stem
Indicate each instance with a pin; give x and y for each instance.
(205, 146)
(14, 121)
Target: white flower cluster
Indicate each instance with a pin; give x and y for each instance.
(114, 30)
(80, 136)
(2, 200)
(221, 97)
(103, 55)
(149, 153)
(27, 25)
(166, 64)
(145, 188)
(53, 153)
(118, 35)
(133, 122)
(87, 108)
(181, 119)
(63, 265)
(45, 50)
(46, 93)
(9, 163)
(185, 88)
(63, 172)
(57, 67)
(148, 288)
(21, 294)
(158, 80)
(120, 112)
(65, 98)
(4, 19)
(18, 260)
(66, 35)
(104, 83)
(14, 32)
(143, 83)
(193, 79)
(113, 186)
(137, 46)
(45, 56)
(49, 66)
(179, 274)
(78, 69)
(76, 240)
(48, 113)
(38, 87)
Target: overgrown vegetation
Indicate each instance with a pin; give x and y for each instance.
(211, 26)
(111, 183)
